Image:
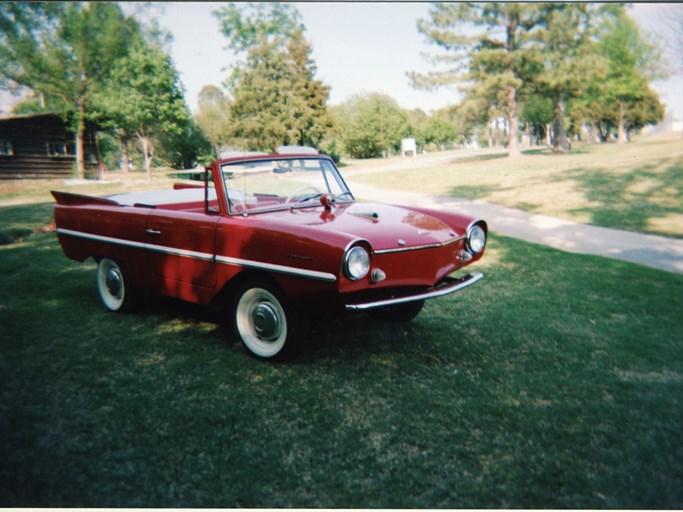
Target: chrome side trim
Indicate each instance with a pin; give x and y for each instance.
(455, 286)
(420, 247)
(282, 269)
(204, 256)
(100, 238)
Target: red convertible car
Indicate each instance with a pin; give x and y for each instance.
(273, 239)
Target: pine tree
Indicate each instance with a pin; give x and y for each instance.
(313, 120)
(492, 64)
(276, 98)
(569, 59)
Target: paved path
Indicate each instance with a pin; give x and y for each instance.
(650, 250)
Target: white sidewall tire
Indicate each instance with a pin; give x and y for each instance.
(261, 322)
(111, 284)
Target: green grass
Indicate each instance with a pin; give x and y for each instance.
(636, 187)
(556, 382)
(17, 220)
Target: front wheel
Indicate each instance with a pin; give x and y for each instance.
(114, 287)
(266, 324)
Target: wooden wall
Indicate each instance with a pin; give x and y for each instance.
(30, 137)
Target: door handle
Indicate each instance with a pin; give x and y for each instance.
(153, 232)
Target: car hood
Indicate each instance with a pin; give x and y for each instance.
(386, 227)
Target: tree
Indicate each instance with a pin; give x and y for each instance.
(568, 58)
(493, 63)
(264, 110)
(435, 131)
(628, 57)
(147, 100)
(213, 115)
(649, 110)
(536, 113)
(371, 125)
(64, 52)
(313, 120)
(276, 98)
(186, 147)
(252, 24)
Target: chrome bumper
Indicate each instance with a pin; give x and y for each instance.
(453, 285)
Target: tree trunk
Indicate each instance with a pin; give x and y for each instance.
(148, 157)
(513, 121)
(80, 133)
(621, 129)
(559, 135)
(125, 160)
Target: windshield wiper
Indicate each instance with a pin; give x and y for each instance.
(308, 198)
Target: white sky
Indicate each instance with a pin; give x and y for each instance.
(357, 46)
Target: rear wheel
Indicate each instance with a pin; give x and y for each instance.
(114, 287)
(404, 312)
(265, 322)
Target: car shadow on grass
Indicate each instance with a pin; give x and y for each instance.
(347, 337)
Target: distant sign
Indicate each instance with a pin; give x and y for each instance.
(408, 146)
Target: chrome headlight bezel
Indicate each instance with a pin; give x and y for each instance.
(356, 263)
(476, 239)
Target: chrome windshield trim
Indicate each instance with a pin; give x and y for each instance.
(204, 256)
(224, 168)
(420, 247)
(266, 209)
(455, 286)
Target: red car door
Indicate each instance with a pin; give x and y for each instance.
(182, 248)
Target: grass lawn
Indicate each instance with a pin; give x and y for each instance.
(17, 220)
(556, 382)
(635, 187)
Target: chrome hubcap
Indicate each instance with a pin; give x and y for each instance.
(113, 281)
(261, 322)
(266, 321)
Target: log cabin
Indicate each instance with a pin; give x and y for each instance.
(41, 146)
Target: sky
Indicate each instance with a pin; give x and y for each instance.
(357, 47)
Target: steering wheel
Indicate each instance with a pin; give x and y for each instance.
(291, 196)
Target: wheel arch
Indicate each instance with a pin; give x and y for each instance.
(227, 295)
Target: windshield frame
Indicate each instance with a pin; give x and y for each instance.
(238, 201)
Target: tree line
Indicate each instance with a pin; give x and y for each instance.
(543, 70)
(88, 61)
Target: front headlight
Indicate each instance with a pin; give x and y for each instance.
(356, 263)
(476, 239)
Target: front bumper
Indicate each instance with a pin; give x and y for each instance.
(450, 285)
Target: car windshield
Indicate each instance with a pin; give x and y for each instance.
(277, 183)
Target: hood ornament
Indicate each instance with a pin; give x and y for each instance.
(373, 216)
